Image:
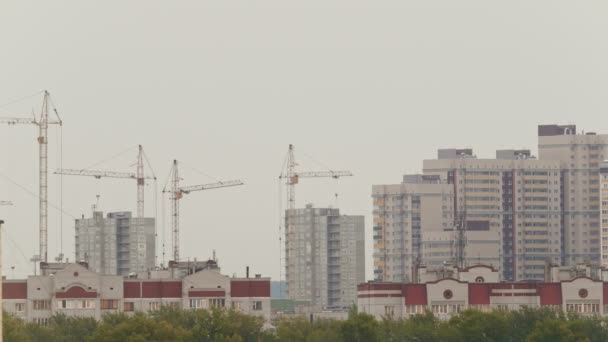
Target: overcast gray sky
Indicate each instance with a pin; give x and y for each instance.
(225, 86)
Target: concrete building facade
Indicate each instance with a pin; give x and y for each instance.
(324, 254)
(516, 197)
(117, 244)
(579, 156)
(402, 212)
(480, 247)
(604, 211)
(76, 291)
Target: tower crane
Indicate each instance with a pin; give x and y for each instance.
(177, 192)
(43, 123)
(138, 176)
(293, 177)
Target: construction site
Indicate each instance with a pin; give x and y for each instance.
(322, 252)
(108, 239)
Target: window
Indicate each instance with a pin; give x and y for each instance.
(389, 310)
(154, 306)
(76, 304)
(42, 304)
(217, 302)
(129, 306)
(19, 307)
(236, 305)
(109, 304)
(41, 321)
(583, 308)
(256, 305)
(415, 309)
(197, 304)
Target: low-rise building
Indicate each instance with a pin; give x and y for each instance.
(76, 291)
(450, 290)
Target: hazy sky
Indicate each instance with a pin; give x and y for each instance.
(225, 86)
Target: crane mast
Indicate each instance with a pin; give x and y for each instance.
(177, 192)
(43, 124)
(139, 176)
(140, 183)
(176, 195)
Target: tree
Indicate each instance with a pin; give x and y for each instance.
(474, 325)
(554, 330)
(138, 328)
(13, 328)
(359, 327)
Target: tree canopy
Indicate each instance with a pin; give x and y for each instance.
(221, 325)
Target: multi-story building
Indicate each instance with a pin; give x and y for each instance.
(116, 245)
(324, 254)
(76, 291)
(479, 247)
(449, 290)
(579, 156)
(402, 213)
(604, 211)
(514, 196)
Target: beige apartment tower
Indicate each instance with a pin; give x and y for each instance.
(401, 213)
(515, 197)
(579, 156)
(325, 256)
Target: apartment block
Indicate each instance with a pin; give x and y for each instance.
(117, 244)
(402, 212)
(516, 197)
(324, 254)
(447, 291)
(579, 156)
(604, 211)
(75, 291)
(439, 248)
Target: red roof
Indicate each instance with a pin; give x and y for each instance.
(161, 289)
(415, 294)
(550, 293)
(479, 294)
(131, 289)
(76, 292)
(14, 290)
(250, 288)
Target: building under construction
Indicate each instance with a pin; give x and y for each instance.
(325, 256)
(117, 244)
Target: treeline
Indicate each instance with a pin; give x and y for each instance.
(232, 326)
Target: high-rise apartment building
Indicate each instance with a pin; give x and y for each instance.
(116, 245)
(514, 196)
(604, 211)
(324, 254)
(579, 156)
(478, 248)
(401, 213)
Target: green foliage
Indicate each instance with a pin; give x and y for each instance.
(221, 325)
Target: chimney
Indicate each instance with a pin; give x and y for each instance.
(247, 272)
